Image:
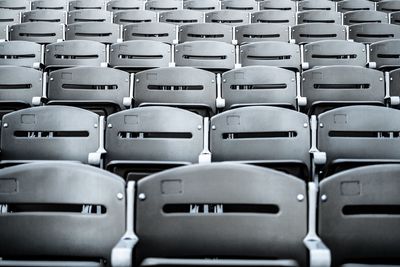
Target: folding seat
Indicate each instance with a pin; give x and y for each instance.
(179, 17)
(50, 133)
(72, 215)
(259, 32)
(21, 53)
(15, 4)
(140, 54)
(8, 18)
(316, 5)
(361, 206)
(124, 5)
(205, 31)
(162, 32)
(281, 5)
(278, 54)
(230, 17)
(332, 86)
(102, 90)
(373, 32)
(211, 55)
(274, 17)
(185, 87)
(250, 5)
(334, 52)
(74, 53)
(364, 16)
(356, 136)
(39, 32)
(89, 15)
(204, 5)
(312, 32)
(354, 5)
(319, 16)
(163, 5)
(385, 54)
(20, 87)
(394, 88)
(388, 6)
(44, 15)
(134, 16)
(102, 32)
(87, 4)
(144, 140)
(49, 4)
(395, 18)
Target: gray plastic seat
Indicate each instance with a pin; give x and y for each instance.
(179, 17)
(149, 139)
(395, 18)
(365, 16)
(140, 54)
(74, 53)
(355, 5)
(162, 32)
(89, 15)
(388, 6)
(134, 16)
(373, 32)
(260, 32)
(44, 15)
(259, 85)
(357, 136)
(278, 54)
(274, 17)
(205, 31)
(87, 4)
(49, 4)
(385, 54)
(243, 134)
(282, 5)
(163, 5)
(102, 32)
(312, 32)
(204, 5)
(211, 203)
(361, 207)
(20, 53)
(8, 17)
(124, 5)
(20, 5)
(211, 55)
(333, 86)
(39, 32)
(104, 90)
(316, 5)
(186, 87)
(334, 52)
(247, 5)
(394, 84)
(70, 211)
(229, 17)
(319, 16)
(49, 133)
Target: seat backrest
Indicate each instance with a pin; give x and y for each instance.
(20, 5)
(77, 205)
(274, 17)
(385, 54)
(179, 17)
(134, 16)
(259, 32)
(87, 4)
(162, 32)
(102, 32)
(229, 17)
(49, 4)
(281, 5)
(312, 32)
(205, 31)
(89, 15)
(395, 18)
(361, 206)
(319, 16)
(44, 15)
(123, 5)
(8, 17)
(365, 16)
(247, 5)
(204, 5)
(373, 32)
(163, 5)
(388, 6)
(38, 32)
(316, 5)
(20, 53)
(49, 133)
(354, 5)
(394, 82)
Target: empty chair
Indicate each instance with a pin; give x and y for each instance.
(39, 32)
(385, 54)
(50, 133)
(319, 16)
(273, 17)
(388, 6)
(250, 5)
(87, 4)
(394, 86)
(102, 32)
(140, 54)
(74, 53)
(123, 5)
(210, 55)
(278, 54)
(204, 5)
(205, 31)
(365, 16)
(316, 5)
(281, 5)
(89, 15)
(230, 17)
(243, 134)
(361, 206)
(190, 206)
(179, 17)
(103, 90)
(162, 32)
(21, 53)
(7, 18)
(143, 140)
(49, 4)
(358, 135)
(76, 204)
(186, 87)
(333, 86)
(259, 85)
(134, 16)
(334, 52)
(395, 18)
(20, 5)
(354, 5)
(163, 5)
(259, 32)
(312, 32)
(44, 15)
(373, 32)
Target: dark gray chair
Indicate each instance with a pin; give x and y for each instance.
(44, 15)
(204, 5)
(259, 32)
(281, 5)
(247, 5)
(8, 17)
(20, 5)
(355, 5)
(205, 31)
(312, 32)
(388, 6)
(87, 4)
(365, 16)
(89, 15)
(319, 16)
(385, 54)
(395, 18)
(134, 16)
(124, 5)
(21, 53)
(38, 32)
(163, 5)
(394, 86)
(49, 4)
(373, 32)
(102, 32)
(72, 215)
(274, 17)
(162, 32)
(229, 17)
(179, 17)
(316, 5)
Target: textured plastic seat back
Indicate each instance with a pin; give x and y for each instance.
(354, 5)
(134, 16)
(8, 17)
(165, 216)
(316, 5)
(49, 133)
(180, 17)
(395, 18)
(89, 15)
(312, 32)
(39, 32)
(163, 32)
(49, 4)
(386, 54)
(388, 6)
(20, 5)
(102, 32)
(123, 5)
(163, 5)
(229, 17)
(394, 82)
(373, 32)
(44, 15)
(87, 4)
(278, 54)
(20, 53)
(260, 32)
(205, 31)
(365, 16)
(259, 85)
(361, 208)
(282, 5)
(154, 134)
(45, 202)
(204, 5)
(273, 17)
(247, 5)
(319, 16)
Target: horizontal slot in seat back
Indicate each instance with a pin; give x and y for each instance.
(281, 5)
(89, 15)
(312, 32)
(388, 6)
(123, 5)
(373, 32)
(365, 16)
(259, 32)
(49, 4)
(87, 4)
(205, 31)
(271, 17)
(19, 5)
(8, 17)
(179, 17)
(316, 5)
(44, 15)
(385, 54)
(38, 32)
(20, 53)
(158, 31)
(134, 16)
(355, 5)
(204, 5)
(102, 32)
(246, 5)
(319, 16)
(229, 17)
(163, 5)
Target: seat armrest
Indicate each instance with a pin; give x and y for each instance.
(320, 255)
